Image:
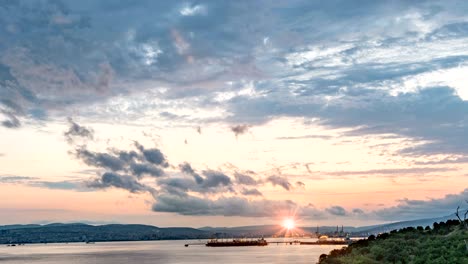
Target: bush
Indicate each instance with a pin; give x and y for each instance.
(443, 244)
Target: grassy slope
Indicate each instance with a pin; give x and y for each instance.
(442, 244)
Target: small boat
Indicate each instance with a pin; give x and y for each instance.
(236, 243)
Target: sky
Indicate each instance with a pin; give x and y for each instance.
(229, 113)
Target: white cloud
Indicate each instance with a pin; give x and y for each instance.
(150, 53)
(456, 78)
(189, 10)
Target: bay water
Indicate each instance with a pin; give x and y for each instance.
(155, 252)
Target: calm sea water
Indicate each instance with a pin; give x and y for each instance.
(158, 252)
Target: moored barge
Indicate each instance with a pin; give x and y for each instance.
(236, 243)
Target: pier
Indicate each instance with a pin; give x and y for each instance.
(294, 242)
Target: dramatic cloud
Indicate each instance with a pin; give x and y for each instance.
(336, 210)
(187, 168)
(215, 179)
(237, 65)
(11, 121)
(244, 179)
(76, 130)
(212, 182)
(357, 211)
(153, 156)
(110, 179)
(413, 209)
(124, 169)
(281, 181)
(405, 77)
(227, 206)
(140, 169)
(252, 192)
(102, 160)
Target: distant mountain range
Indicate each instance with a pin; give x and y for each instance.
(79, 232)
(402, 224)
(269, 230)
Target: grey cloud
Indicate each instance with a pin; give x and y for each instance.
(227, 206)
(61, 185)
(214, 182)
(379, 113)
(281, 181)
(355, 75)
(15, 179)
(448, 160)
(179, 185)
(240, 129)
(144, 162)
(127, 156)
(103, 160)
(244, 179)
(13, 97)
(336, 210)
(75, 130)
(357, 211)
(37, 182)
(174, 50)
(215, 179)
(187, 168)
(235, 206)
(127, 168)
(124, 169)
(110, 179)
(12, 121)
(140, 169)
(154, 156)
(415, 209)
(396, 171)
(252, 192)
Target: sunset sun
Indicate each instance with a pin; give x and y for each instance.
(289, 224)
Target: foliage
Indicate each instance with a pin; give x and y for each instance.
(444, 243)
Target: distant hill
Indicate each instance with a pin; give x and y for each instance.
(5, 227)
(402, 224)
(78, 232)
(270, 230)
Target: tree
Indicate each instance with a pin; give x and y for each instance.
(463, 222)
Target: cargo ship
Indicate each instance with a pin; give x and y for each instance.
(236, 243)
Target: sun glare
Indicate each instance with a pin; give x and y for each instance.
(289, 223)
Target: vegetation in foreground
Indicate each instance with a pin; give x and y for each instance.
(445, 243)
